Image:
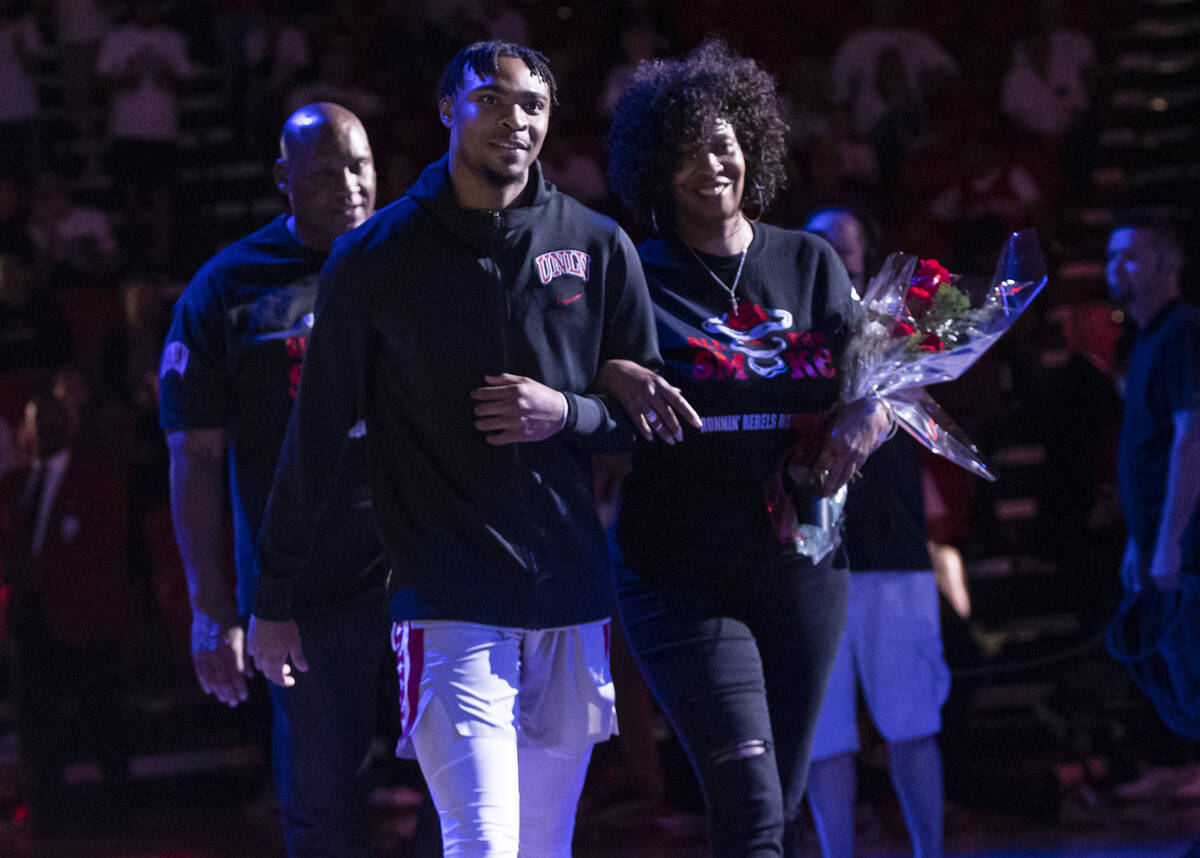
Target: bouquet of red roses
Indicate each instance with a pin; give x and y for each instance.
(919, 325)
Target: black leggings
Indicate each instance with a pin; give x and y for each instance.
(741, 674)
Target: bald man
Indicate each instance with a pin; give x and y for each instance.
(850, 237)
(229, 373)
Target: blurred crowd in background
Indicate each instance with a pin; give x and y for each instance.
(136, 139)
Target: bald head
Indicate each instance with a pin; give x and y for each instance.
(842, 229)
(308, 123)
(326, 171)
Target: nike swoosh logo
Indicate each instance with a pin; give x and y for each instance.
(562, 302)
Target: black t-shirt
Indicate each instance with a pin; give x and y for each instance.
(1164, 379)
(232, 360)
(692, 509)
(885, 511)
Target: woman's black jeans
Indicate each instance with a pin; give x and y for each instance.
(740, 673)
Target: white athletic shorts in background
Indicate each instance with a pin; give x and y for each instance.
(893, 646)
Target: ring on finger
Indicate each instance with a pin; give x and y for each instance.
(652, 416)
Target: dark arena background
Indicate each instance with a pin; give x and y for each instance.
(1048, 747)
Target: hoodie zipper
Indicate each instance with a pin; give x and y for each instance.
(505, 342)
(517, 458)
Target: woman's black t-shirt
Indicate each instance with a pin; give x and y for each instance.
(754, 374)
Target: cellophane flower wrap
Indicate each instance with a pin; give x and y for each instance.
(800, 515)
(922, 325)
(919, 325)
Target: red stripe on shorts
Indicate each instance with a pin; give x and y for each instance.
(409, 645)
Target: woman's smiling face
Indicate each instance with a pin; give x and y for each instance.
(708, 185)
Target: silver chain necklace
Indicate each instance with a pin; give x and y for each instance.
(732, 290)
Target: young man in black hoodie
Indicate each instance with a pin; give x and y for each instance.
(465, 323)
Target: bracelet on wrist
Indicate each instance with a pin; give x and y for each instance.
(893, 423)
(562, 424)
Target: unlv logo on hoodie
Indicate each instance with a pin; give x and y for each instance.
(759, 340)
(558, 263)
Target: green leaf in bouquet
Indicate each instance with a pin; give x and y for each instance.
(949, 303)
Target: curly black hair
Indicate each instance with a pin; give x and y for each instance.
(673, 104)
(484, 58)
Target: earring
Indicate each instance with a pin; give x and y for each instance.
(762, 206)
(654, 221)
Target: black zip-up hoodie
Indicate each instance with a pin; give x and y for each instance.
(415, 307)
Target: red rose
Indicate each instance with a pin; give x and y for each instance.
(918, 301)
(930, 275)
(926, 280)
(903, 329)
(931, 343)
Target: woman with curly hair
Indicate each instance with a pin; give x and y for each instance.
(734, 629)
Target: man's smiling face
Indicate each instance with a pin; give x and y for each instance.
(498, 122)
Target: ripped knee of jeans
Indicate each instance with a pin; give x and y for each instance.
(740, 751)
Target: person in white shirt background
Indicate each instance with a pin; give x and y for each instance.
(143, 62)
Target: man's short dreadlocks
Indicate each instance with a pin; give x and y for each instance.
(484, 58)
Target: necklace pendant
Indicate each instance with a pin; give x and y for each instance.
(731, 290)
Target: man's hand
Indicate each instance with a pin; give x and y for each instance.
(608, 472)
(1131, 573)
(858, 430)
(272, 644)
(1181, 495)
(653, 405)
(219, 657)
(514, 409)
(1166, 565)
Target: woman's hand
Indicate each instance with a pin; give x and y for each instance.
(860, 427)
(654, 406)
